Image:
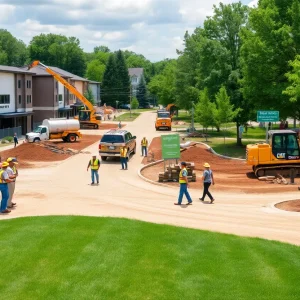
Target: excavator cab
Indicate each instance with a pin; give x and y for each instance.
(284, 144)
(84, 115)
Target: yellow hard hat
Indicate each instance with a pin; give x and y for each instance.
(5, 164)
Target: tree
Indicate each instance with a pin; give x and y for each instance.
(59, 51)
(293, 90)
(13, 52)
(271, 40)
(142, 93)
(134, 103)
(95, 70)
(123, 79)
(102, 48)
(109, 90)
(89, 95)
(204, 110)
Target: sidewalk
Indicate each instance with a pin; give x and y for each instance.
(11, 145)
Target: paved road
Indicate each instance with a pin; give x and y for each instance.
(64, 189)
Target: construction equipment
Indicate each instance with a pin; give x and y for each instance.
(279, 156)
(65, 129)
(87, 117)
(163, 120)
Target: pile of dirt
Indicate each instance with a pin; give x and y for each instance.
(234, 175)
(107, 126)
(293, 205)
(28, 153)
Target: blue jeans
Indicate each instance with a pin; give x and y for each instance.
(144, 150)
(5, 196)
(95, 173)
(124, 162)
(183, 191)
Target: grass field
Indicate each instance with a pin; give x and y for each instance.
(103, 258)
(128, 117)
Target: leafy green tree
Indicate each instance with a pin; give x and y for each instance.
(89, 95)
(109, 89)
(204, 110)
(13, 52)
(102, 48)
(271, 40)
(293, 90)
(95, 70)
(142, 93)
(123, 79)
(134, 103)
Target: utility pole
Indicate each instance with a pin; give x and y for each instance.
(130, 99)
(192, 125)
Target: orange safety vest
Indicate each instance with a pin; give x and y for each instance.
(123, 152)
(95, 164)
(144, 142)
(181, 178)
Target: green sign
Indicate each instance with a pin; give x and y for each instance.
(267, 116)
(170, 146)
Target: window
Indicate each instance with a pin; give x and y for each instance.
(20, 99)
(19, 83)
(4, 99)
(28, 84)
(285, 146)
(107, 138)
(134, 80)
(44, 130)
(28, 99)
(60, 97)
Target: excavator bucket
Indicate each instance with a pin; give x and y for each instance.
(33, 64)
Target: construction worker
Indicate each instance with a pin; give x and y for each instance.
(12, 173)
(4, 180)
(183, 181)
(123, 155)
(94, 163)
(144, 144)
(208, 179)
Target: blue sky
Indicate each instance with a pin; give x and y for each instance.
(154, 28)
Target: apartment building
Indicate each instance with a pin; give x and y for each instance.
(16, 98)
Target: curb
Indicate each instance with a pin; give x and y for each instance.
(161, 160)
(291, 213)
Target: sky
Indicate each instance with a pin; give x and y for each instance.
(154, 28)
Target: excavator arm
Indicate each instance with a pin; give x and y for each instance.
(68, 86)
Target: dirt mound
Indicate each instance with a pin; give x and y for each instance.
(27, 153)
(293, 205)
(230, 175)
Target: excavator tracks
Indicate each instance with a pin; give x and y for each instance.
(284, 170)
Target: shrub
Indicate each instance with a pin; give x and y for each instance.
(7, 138)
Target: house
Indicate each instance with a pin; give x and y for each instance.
(136, 75)
(52, 99)
(16, 99)
(95, 88)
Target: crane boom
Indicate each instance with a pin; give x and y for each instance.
(71, 88)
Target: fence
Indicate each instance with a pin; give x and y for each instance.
(10, 132)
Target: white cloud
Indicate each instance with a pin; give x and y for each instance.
(154, 28)
(253, 3)
(6, 11)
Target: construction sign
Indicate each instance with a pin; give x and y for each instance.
(170, 146)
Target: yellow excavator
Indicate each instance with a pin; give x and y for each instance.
(87, 117)
(278, 156)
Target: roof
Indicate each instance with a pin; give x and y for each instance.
(94, 82)
(14, 70)
(116, 132)
(40, 71)
(15, 114)
(135, 71)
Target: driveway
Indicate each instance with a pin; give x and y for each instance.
(63, 189)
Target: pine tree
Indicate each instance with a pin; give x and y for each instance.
(110, 83)
(142, 93)
(123, 79)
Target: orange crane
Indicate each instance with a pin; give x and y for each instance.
(87, 117)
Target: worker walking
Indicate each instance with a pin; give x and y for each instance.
(183, 181)
(144, 144)
(123, 155)
(4, 180)
(12, 174)
(16, 140)
(94, 163)
(207, 179)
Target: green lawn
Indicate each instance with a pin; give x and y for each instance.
(106, 258)
(128, 117)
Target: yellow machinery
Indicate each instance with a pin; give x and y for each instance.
(278, 156)
(87, 117)
(163, 120)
